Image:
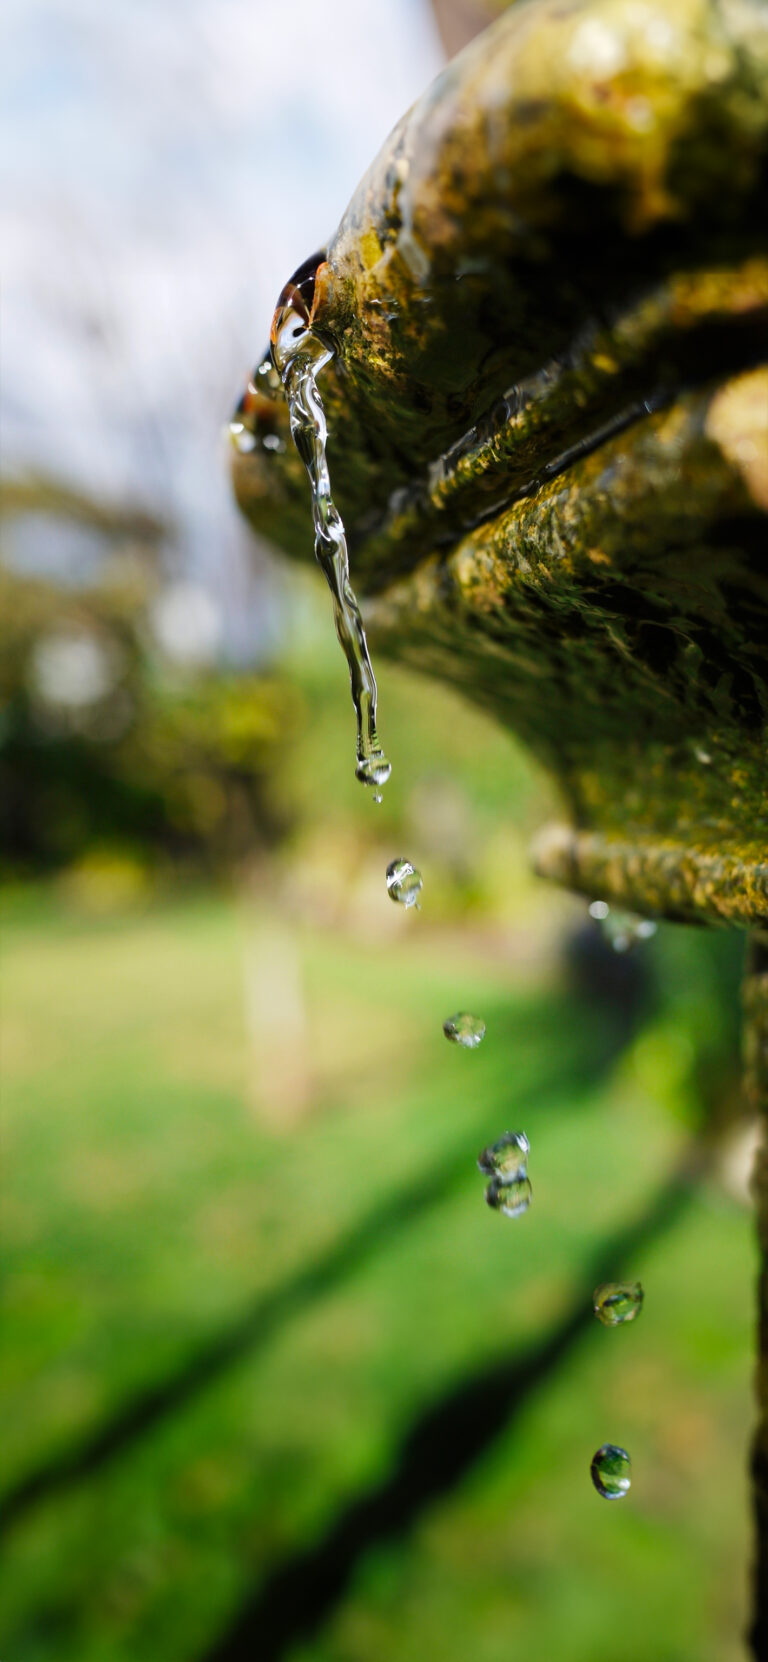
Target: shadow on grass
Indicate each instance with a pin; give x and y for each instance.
(442, 1444)
(585, 1051)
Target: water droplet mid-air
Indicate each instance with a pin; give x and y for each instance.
(510, 1197)
(616, 1302)
(465, 1030)
(298, 354)
(374, 769)
(611, 1471)
(404, 883)
(506, 1158)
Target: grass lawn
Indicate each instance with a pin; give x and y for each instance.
(276, 1382)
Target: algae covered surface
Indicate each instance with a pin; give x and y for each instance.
(549, 423)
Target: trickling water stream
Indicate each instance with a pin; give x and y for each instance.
(621, 929)
(298, 355)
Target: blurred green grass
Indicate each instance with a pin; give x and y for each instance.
(173, 1164)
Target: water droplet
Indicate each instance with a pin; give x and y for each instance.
(506, 1158)
(616, 1302)
(465, 1030)
(404, 882)
(512, 1198)
(611, 1471)
(622, 929)
(377, 796)
(273, 441)
(373, 769)
(298, 355)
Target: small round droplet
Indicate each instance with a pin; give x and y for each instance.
(465, 1030)
(404, 882)
(512, 1198)
(611, 1471)
(506, 1158)
(377, 796)
(616, 1302)
(374, 769)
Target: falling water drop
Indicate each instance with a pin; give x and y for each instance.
(512, 1198)
(506, 1158)
(465, 1030)
(616, 1302)
(298, 355)
(622, 929)
(611, 1471)
(404, 883)
(373, 770)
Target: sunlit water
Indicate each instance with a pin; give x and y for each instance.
(404, 884)
(298, 355)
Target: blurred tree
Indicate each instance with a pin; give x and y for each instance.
(104, 742)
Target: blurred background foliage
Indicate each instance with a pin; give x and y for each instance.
(274, 1381)
(106, 746)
